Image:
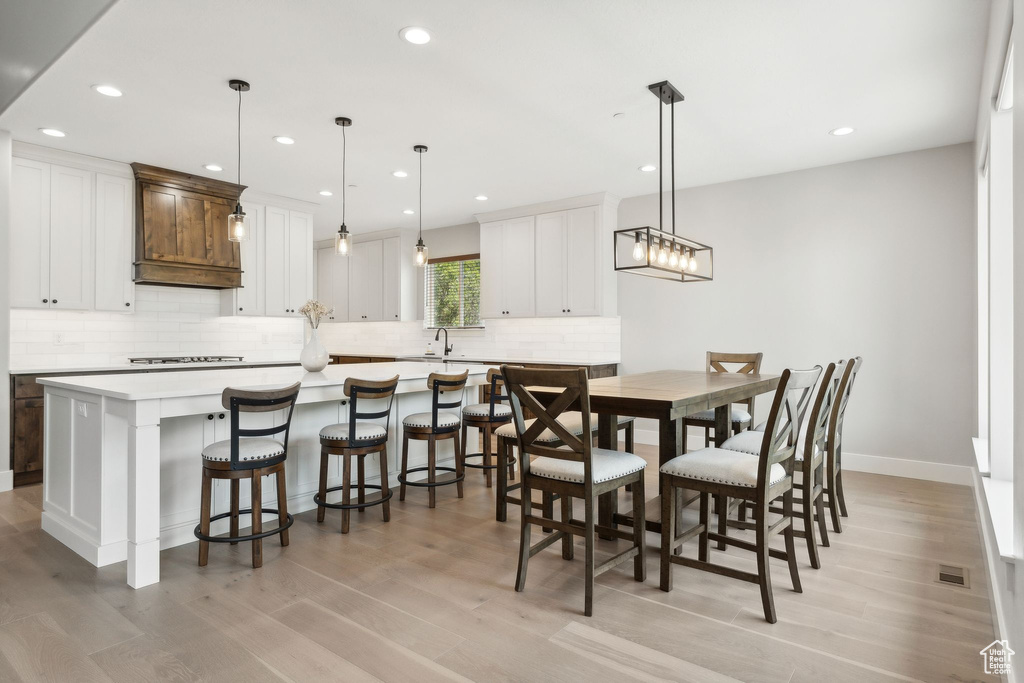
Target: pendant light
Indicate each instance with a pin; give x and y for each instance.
(653, 251)
(341, 242)
(421, 249)
(237, 227)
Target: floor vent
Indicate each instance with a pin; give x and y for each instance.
(953, 576)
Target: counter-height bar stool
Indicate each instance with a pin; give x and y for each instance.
(810, 463)
(441, 423)
(358, 438)
(572, 421)
(722, 362)
(731, 474)
(486, 417)
(249, 454)
(575, 469)
(833, 491)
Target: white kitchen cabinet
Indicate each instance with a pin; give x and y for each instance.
(115, 290)
(568, 279)
(507, 267)
(250, 298)
(275, 274)
(300, 259)
(52, 256)
(391, 278)
(332, 282)
(366, 281)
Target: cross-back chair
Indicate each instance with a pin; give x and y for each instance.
(835, 500)
(717, 361)
(573, 469)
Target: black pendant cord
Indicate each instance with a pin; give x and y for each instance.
(239, 175)
(421, 198)
(344, 162)
(661, 167)
(672, 156)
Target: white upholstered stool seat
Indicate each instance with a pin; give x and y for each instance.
(606, 465)
(738, 415)
(721, 466)
(248, 449)
(364, 431)
(501, 410)
(750, 442)
(444, 419)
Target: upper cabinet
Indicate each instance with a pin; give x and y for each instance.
(71, 232)
(555, 261)
(373, 283)
(332, 282)
(182, 230)
(507, 268)
(366, 282)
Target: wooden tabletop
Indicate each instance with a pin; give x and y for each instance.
(673, 394)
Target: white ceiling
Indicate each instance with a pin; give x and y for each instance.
(514, 97)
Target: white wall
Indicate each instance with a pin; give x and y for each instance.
(6, 475)
(870, 258)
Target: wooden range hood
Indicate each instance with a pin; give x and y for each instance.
(181, 230)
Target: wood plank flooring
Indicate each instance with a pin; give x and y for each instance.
(428, 597)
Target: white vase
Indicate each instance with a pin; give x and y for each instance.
(314, 356)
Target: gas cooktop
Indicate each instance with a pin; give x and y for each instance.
(168, 360)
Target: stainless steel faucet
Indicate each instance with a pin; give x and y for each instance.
(447, 348)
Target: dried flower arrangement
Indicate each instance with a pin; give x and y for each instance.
(315, 311)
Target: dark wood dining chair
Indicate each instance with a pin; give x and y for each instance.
(251, 454)
(486, 417)
(357, 438)
(835, 500)
(749, 363)
(732, 474)
(441, 423)
(575, 469)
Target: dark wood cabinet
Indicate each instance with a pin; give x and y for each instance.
(181, 230)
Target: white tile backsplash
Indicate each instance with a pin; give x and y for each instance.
(168, 321)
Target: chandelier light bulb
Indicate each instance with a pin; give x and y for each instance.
(673, 258)
(693, 262)
(638, 249)
(662, 254)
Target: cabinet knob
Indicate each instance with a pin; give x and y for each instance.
(239, 308)
(127, 303)
(221, 416)
(54, 301)
(46, 301)
(210, 416)
(568, 310)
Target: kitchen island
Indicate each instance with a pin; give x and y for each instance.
(122, 455)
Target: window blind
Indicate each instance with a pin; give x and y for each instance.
(451, 291)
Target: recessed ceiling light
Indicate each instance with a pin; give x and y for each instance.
(481, 198)
(648, 168)
(52, 132)
(415, 35)
(408, 212)
(400, 174)
(213, 167)
(284, 140)
(108, 90)
(326, 193)
(843, 130)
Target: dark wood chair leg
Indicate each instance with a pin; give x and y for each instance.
(588, 571)
(790, 537)
(722, 503)
(234, 508)
(204, 517)
(405, 465)
(763, 570)
(346, 490)
(840, 495)
(668, 532)
(385, 487)
(630, 445)
(707, 437)
(257, 517)
(361, 494)
(524, 537)
(321, 511)
(282, 504)
(807, 515)
(499, 497)
(833, 500)
(640, 529)
(487, 453)
(431, 471)
(567, 547)
(460, 464)
(547, 509)
(460, 456)
(703, 545)
(819, 506)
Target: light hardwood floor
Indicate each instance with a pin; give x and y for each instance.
(429, 597)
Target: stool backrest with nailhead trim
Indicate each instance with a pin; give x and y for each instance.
(368, 390)
(259, 401)
(441, 384)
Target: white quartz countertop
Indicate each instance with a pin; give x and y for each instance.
(142, 367)
(187, 383)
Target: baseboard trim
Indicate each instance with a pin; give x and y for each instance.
(857, 462)
(7, 480)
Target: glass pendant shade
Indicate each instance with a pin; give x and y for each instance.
(421, 253)
(342, 241)
(238, 229)
(421, 249)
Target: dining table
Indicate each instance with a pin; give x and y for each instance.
(666, 396)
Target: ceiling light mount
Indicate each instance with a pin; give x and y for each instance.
(238, 86)
(417, 35)
(657, 252)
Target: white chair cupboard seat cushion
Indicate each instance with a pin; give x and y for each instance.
(364, 431)
(738, 415)
(750, 442)
(572, 420)
(444, 419)
(249, 449)
(605, 464)
(484, 410)
(721, 466)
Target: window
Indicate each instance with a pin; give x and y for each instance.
(452, 292)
